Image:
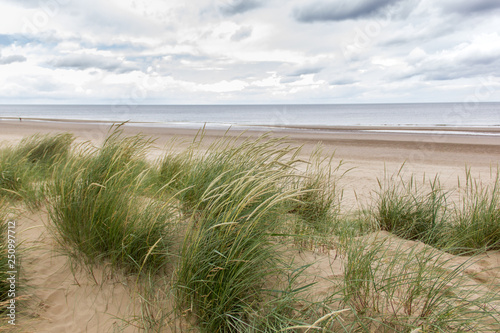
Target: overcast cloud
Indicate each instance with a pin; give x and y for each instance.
(342, 10)
(10, 59)
(249, 51)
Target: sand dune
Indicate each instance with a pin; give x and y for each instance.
(65, 300)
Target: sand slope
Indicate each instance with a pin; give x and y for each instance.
(61, 300)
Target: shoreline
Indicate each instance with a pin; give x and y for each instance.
(494, 129)
(349, 142)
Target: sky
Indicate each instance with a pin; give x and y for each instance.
(249, 51)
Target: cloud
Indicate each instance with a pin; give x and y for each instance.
(242, 33)
(119, 46)
(342, 81)
(306, 71)
(285, 80)
(223, 86)
(239, 6)
(341, 10)
(250, 50)
(86, 61)
(466, 7)
(12, 58)
(479, 57)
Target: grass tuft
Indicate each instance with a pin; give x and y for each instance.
(228, 256)
(191, 174)
(411, 210)
(318, 205)
(45, 148)
(25, 168)
(398, 288)
(99, 211)
(12, 174)
(475, 223)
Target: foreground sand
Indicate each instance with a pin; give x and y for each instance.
(63, 302)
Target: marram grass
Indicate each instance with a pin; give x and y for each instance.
(391, 287)
(420, 211)
(228, 256)
(475, 222)
(411, 209)
(12, 174)
(191, 172)
(45, 148)
(27, 166)
(99, 211)
(318, 205)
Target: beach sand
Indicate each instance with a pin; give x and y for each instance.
(63, 302)
(367, 154)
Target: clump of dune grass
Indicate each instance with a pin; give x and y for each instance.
(475, 223)
(191, 172)
(119, 151)
(39, 155)
(228, 256)
(316, 212)
(318, 206)
(11, 174)
(287, 307)
(98, 209)
(241, 192)
(411, 289)
(19, 180)
(411, 210)
(45, 148)
(173, 167)
(353, 224)
(26, 167)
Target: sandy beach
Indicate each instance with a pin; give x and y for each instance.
(63, 302)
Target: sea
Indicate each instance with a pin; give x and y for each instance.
(484, 115)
